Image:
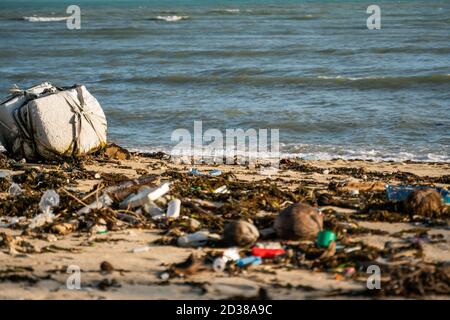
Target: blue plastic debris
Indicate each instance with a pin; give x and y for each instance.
(215, 172)
(252, 260)
(400, 193)
(212, 173)
(195, 172)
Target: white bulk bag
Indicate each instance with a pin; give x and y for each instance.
(50, 122)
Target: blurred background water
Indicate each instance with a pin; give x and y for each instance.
(309, 68)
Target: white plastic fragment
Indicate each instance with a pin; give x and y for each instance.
(15, 189)
(270, 171)
(215, 172)
(195, 171)
(164, 276)
(269, 245)
(222, 189)
(152, 209)
(138, 199)
(219, 264)
(5, 173)
(51, 238)
(9, 221)
(348, 250)
(196, 239)
(49, 200)
(41, 219)
(159, 217)
(207, 204)
(173, 208)
(231, 254)
(103, 201)
(159, 192)
(141, 249)
(145, 196)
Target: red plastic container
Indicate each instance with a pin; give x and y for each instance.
(266, 252)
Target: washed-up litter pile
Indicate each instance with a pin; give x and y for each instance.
(239, 224)
(255, 228)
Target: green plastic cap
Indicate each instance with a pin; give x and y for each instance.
(325, 237)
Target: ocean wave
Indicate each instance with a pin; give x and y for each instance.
(232, 10)
(427, 78)
(337, 52)
(409, 49)
(218, 53)
(381, 82)
(370, 156)
(304, 17)
(330, 152)
(171, 18)
(44, 19)
(117, 33)
(386, 50)
(319, 152)
(326, 153)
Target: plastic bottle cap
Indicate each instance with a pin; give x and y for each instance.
(325, 237)
(219, 264)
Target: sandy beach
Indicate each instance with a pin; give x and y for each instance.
(34, 263)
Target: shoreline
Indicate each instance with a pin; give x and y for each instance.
(310, 156)
(36, 268)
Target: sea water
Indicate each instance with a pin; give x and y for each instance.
(311, 69)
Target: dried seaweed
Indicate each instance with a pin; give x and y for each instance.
(416, 281)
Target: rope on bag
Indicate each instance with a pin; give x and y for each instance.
(22, 117)
(78, 108)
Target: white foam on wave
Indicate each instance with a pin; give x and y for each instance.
(307, 152)
(44, 19)
(339, 77)
(171, 18)
(232, 10)
(378, 157)
(372, 155)
(348, 78)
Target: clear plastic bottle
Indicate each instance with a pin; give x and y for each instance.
(49, 200)
(173, 208)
